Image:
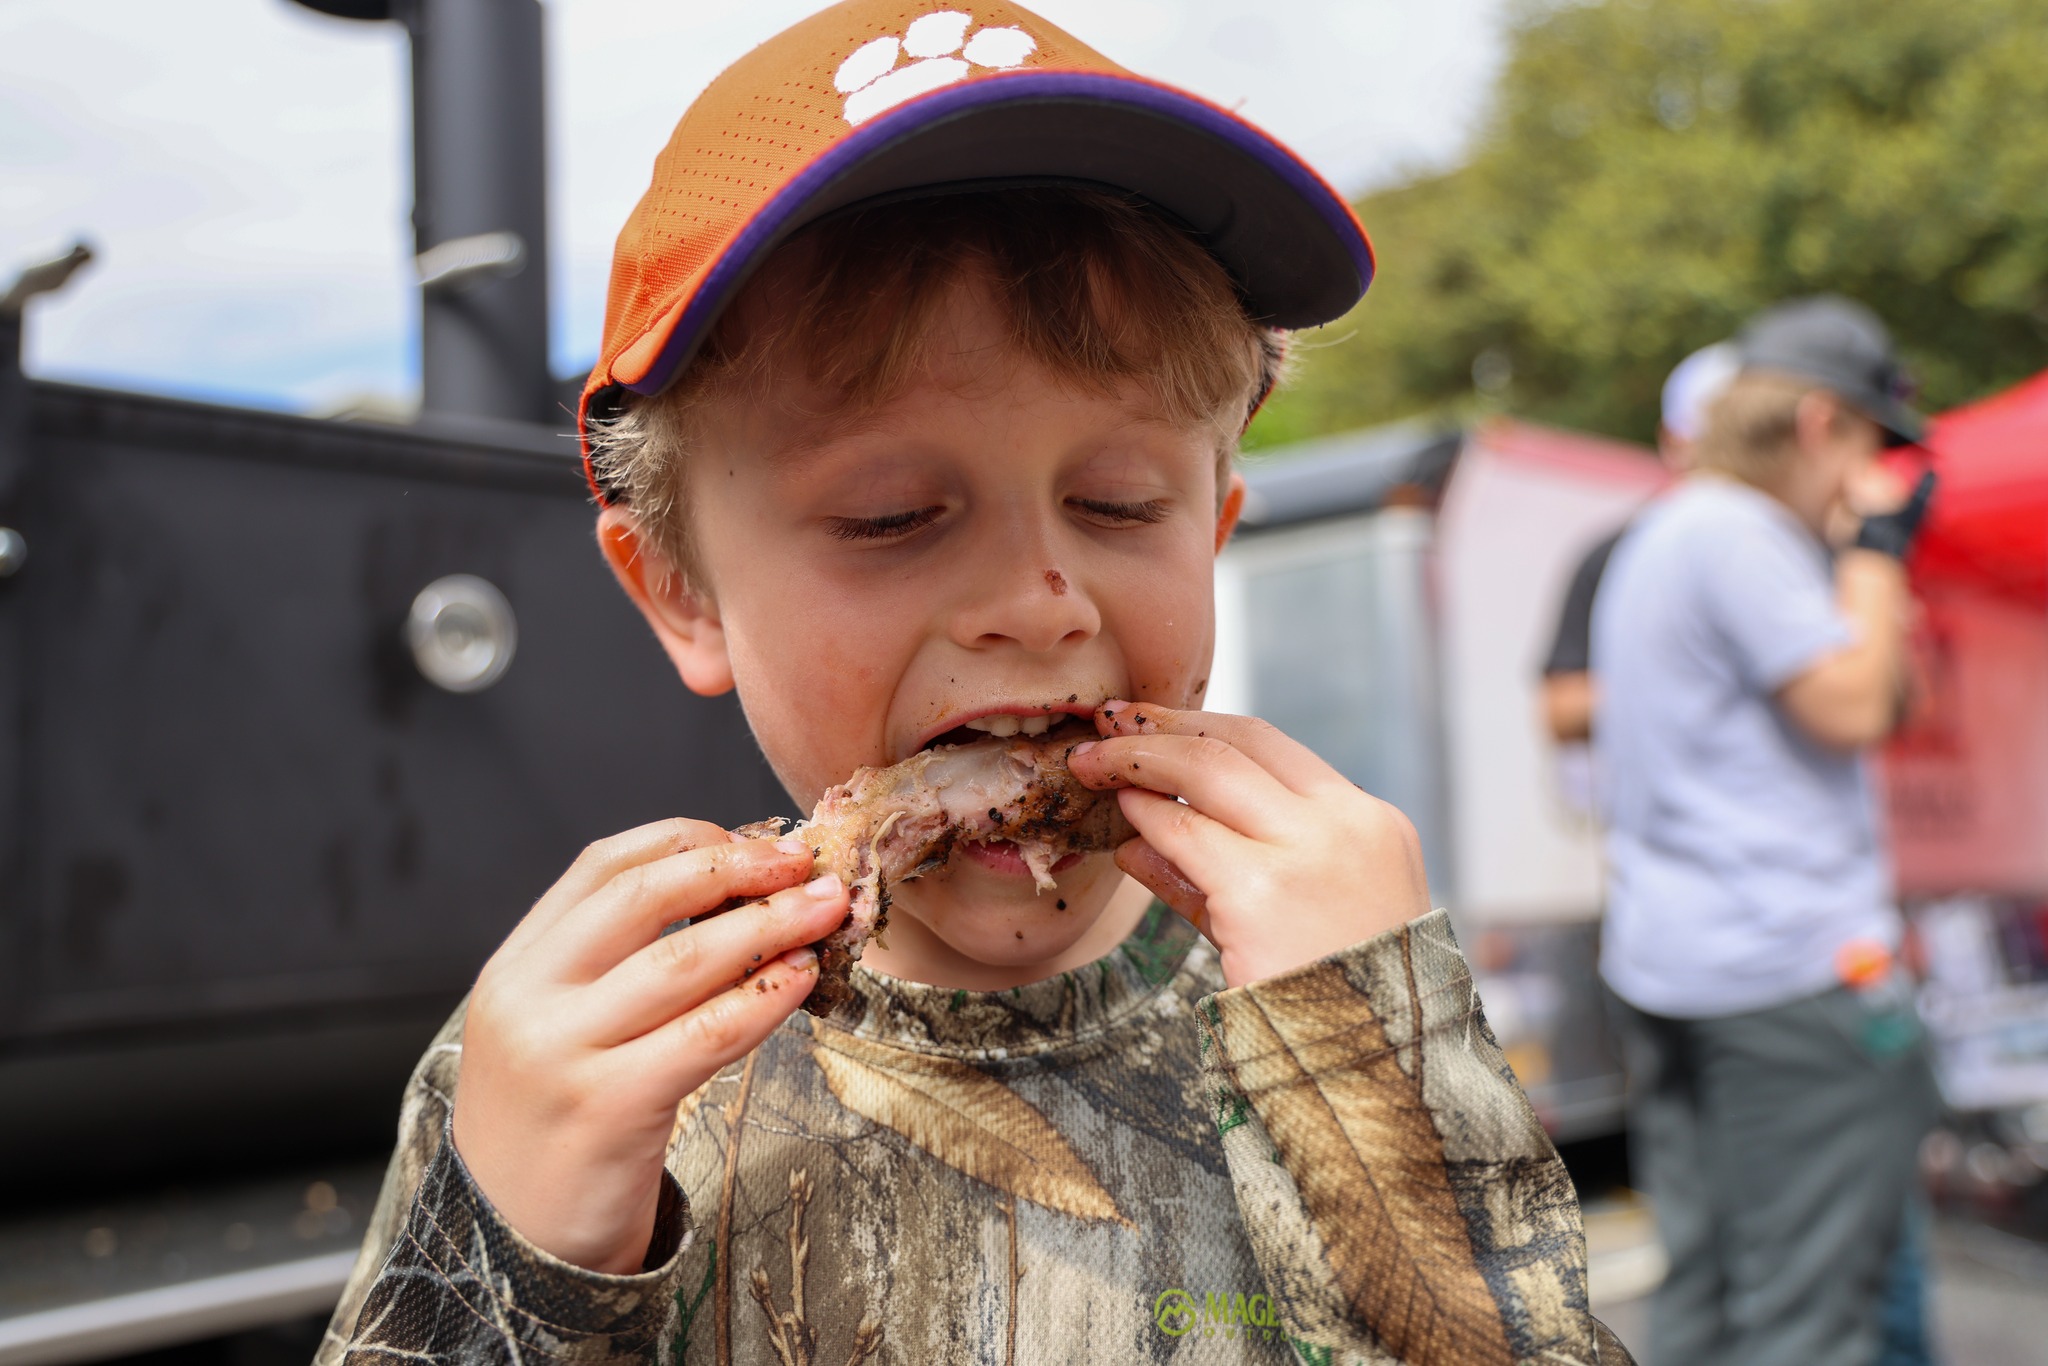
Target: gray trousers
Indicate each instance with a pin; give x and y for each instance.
(1777, 1148)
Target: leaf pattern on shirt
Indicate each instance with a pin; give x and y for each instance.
(966, 1119)
(1314, 1059)
(790, 1331)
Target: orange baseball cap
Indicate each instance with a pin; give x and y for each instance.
(878, 98)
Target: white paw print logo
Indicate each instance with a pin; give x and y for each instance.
(941, 51)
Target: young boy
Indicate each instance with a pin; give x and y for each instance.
(927, 353)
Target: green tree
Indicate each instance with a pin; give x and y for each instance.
(1654, 171)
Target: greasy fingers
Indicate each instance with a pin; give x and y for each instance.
(604, 859)
(1272, 749)
(562, 1122)
(680, 971)
(1206, 851)
(1275, 855)
(727, 1027)
(562, 1131)
(1221, 780)
(629, 912)
(1165, 881)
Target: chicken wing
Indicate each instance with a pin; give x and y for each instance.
(888, 825)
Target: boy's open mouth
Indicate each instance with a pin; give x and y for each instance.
(1007, 857)
(1056, 722)
(993, 787)
(1067, 723)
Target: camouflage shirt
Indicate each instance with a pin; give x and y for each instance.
(1123, 1163)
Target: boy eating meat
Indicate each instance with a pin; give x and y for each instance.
(927, 352)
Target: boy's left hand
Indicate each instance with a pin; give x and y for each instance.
(1274, 855)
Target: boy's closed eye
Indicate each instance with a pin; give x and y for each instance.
(1142, 513)
(892, 526)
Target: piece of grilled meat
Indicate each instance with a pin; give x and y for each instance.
(887, 825)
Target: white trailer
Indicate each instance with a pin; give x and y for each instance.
(1388, 600)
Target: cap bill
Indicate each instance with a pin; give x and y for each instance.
(1902, 426)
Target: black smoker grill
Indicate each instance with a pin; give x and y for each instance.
(251, 852)
(297, 718)
(253, 856)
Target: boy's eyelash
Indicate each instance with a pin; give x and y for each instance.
(882, 528)
(1152, 510)
(893, 525)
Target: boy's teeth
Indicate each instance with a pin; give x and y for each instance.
(1033, 725)
(1002, 727)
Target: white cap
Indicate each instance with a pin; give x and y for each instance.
(1696, 382)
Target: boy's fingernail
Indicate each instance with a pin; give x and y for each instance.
(790, 844)
(823, 887)
(1083, 748)
(803, 960)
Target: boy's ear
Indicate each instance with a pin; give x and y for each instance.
(685, 621)
(1232, 509)
(1815, 418)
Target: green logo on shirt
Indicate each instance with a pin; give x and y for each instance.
(1175, 1312)
(1225, 1314)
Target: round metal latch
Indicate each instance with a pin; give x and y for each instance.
(462, 633)
(13, 552)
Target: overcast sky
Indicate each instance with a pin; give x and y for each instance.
(242, 165)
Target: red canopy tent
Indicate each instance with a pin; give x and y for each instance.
(1988, 528)
(1967, 778)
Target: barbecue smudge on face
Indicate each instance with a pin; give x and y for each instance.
(1057, 582)
(887, 825)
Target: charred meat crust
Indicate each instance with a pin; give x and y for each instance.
(888, 825)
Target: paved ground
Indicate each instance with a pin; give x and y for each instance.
(1990, 1288)
(1990, 1297)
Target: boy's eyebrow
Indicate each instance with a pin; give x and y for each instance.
(818, 436)
(814, 444)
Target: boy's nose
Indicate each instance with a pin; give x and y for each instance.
(1036, 606)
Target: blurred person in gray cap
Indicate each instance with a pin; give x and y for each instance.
(1779, 1081)
(1567, 670)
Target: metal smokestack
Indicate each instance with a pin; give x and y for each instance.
(479, 212)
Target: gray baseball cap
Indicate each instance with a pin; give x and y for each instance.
(1841, 344)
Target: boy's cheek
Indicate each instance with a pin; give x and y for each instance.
(813, 697)
(1168, 642)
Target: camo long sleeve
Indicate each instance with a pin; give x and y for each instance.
(1120, 1163)
(1401, 1196)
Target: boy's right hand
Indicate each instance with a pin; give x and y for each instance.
(588, 1026)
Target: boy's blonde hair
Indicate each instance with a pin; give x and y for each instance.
(1752, 427)
(1098, 288)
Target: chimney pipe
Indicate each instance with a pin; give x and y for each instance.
(479, 201)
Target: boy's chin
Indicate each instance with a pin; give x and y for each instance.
(1038, 945)
(990, 913)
